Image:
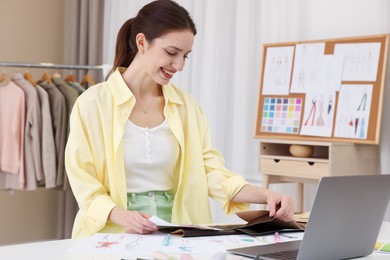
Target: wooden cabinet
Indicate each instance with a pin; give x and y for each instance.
(277, 165)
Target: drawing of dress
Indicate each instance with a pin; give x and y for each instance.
(320, 120)
(362, 129)
(312, 113)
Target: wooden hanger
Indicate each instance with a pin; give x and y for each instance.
(87, 81)
(46, 78)
(70, 78)
(4, 79)
(28, 76)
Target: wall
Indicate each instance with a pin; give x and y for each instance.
(32, 31)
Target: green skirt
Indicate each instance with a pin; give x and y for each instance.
(158, 203)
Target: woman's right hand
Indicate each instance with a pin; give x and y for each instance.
(132, 221)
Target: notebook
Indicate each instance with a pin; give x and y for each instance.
(344, 222)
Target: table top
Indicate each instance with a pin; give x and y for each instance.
(63, 250)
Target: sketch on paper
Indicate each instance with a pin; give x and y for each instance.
(331, 72)
(319, 113)
(143, 246)
(353, 111)
(361, 60)
(281, 115)
(307, 67)
(107, 243)
(277, 71)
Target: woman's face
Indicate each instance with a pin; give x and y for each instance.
(166, 55)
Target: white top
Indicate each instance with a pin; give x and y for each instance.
(150, 156)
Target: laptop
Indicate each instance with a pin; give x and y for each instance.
(344, 222)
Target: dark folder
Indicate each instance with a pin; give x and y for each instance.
(258, 223)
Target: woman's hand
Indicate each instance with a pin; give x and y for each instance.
(280, 206)
(132, 221)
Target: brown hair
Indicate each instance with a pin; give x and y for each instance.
(153, 20)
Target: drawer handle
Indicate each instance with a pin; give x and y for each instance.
(276, 160)
(311, 163)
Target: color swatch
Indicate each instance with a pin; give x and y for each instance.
(281, 115)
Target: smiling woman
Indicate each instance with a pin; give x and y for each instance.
(140, 146)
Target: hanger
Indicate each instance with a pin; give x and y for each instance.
(46, 78)
(56, 75)
(87, 81)
(4, 79)
(70, 78)
(28, 76)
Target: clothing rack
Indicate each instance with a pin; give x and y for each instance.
(51, 66)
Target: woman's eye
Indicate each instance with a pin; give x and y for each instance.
(171, 53)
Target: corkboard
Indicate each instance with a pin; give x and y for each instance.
(372, 134)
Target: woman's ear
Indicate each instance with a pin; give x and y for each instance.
(141, 42)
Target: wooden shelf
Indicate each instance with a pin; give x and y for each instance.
(277, 165)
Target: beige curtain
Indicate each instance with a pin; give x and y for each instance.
(83, 41)
(83, 36)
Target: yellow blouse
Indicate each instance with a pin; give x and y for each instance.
(95, 163)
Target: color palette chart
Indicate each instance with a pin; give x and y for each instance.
(281, 115)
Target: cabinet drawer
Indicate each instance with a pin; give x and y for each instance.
(294, 168)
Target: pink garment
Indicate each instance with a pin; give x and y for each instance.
(12, 125)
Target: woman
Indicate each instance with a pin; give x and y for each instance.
(139, 146)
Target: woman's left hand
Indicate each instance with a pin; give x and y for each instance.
(280, 206)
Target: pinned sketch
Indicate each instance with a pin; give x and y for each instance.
(277, 71)
(307, 67)
(319, 113)
(281, 115)
(353, 111)
(361, 60)
(331, 72)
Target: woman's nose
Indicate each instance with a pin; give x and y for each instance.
(178, 64)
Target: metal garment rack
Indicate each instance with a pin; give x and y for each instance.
(51, 66)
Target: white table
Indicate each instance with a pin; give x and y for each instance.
(59, 250)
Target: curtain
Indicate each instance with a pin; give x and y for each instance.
(83, 35)
(83, 45)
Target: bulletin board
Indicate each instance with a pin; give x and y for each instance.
(323, 90)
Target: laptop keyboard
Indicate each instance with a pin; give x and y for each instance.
(284, 255)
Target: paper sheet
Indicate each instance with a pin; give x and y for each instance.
(319, 113)
(361, 60)
(353, 111)
(277, 71)
(307, 67)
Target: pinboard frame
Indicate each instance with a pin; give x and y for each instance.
(326, 90)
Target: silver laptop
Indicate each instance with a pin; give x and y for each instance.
(344, 221)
